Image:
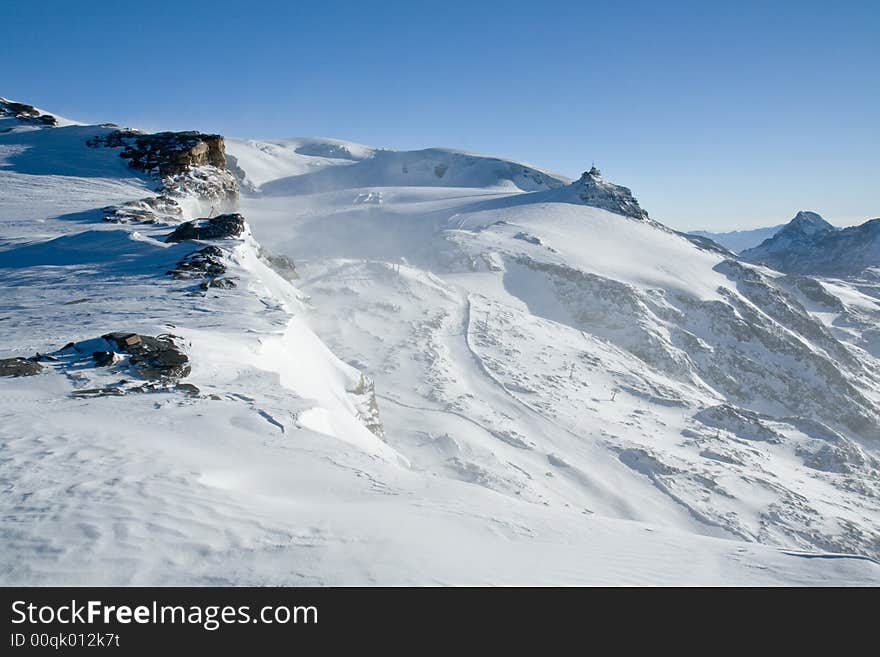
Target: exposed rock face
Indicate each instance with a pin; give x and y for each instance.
(19, 367)
(593, 190)
(25, 113)
(191, 165)
(166, 153)
(225, 226)
(812, 290)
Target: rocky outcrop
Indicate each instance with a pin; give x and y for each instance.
(191, 165)
(595, 191)
(165, 153)
(212, 189)
(225, 226)
(157, 359)
(19, 367)
(25, 113)
(741, 422)
(154, 358)
(154, 209)
(204, 263)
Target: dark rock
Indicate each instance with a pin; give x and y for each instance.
(104, 358)
(219, 283)
(156, 358)
(98, 392)
(146, 210)
(124, 340)
(204, 263)
(165, 153)
(526, 237)
(19, 367)
(25, 113)
(188, 388)
(224, 226)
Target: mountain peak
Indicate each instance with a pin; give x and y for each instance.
(809, 223)
(592, 189)
(810, 245)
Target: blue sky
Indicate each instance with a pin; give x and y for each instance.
(717, 115)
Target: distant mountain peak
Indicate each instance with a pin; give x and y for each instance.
(810, 245)
(809, 223)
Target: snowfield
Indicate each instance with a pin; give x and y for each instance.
(479, 373)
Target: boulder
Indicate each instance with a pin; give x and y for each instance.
(204, 263)
(156, 358)
(218, 283)
(19, 367)
(224, 226)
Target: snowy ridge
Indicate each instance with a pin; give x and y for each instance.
(16, 117)
(566, 392)
(310, 166)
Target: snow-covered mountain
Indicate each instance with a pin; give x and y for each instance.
(420, 367)
(810, 245)
(307, 166)
(740, 240)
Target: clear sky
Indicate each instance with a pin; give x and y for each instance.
(717, 114)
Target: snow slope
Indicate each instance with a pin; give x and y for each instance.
(565, 395)
(297, 166)
(741, 411)
(259, 162)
